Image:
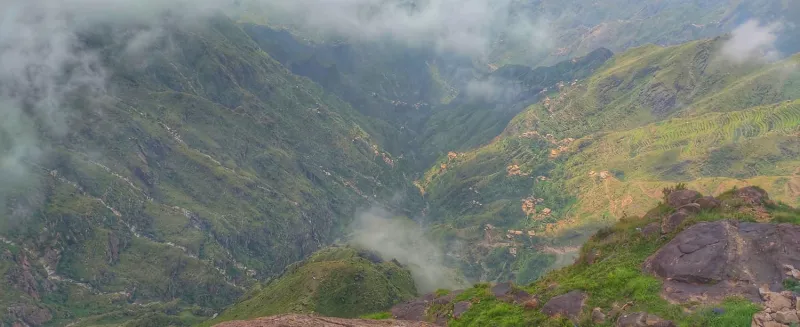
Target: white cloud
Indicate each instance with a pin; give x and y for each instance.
(465, 27)
(752, 42)
(403, 240)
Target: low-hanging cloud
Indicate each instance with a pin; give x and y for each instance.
(493, 90)
(47, 68)
(405, 241)
(752, 42)
(466, 27)
(42, 67)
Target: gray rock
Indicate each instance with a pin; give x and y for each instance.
(708, 202)
(568, 305)
(642, 319)
(460, 308)
(673, 221)
(679, 198)
(714, 260)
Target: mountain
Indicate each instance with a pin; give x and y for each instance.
(214, 152)
(334, 282)
(603, 147)
(577, 27)
(692, 260)
(205, 170)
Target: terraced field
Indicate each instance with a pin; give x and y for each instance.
(602, 148)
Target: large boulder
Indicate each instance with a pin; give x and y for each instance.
(708, 202)
(669, 224)
(713, 260)
(413, 310)
(294, 320)
(642, 319)
(752, 195)
(460, 308)
(508, 293)
(679, 198)
(419, 309)
(568, 305)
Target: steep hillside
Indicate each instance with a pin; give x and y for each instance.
(488, 103)
(427, 103)
(335, 282)
(203, 170)
(691, 261)
(604, 147)
(576, 27)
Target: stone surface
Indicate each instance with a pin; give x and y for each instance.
(786, 317)
(598, 317)
(760, 319)
(651, 229)
(679, 198)
(508, 293)
(315, 321)
(413, 310)
(460, 308)
(691, 208)
(708, 202)
(669, 224)
(642, 319)
(531, 304)
(502, 289)
(569, 305)
(752, 195)
(712, 260)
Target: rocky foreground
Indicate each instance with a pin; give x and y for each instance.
(316, 321)
(703, 252)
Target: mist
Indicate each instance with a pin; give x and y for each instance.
(753, 42)
(43, 70)
(465, 27)
(493, 90)
(404, 240)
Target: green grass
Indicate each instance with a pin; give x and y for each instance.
(339, 282)
(378, 316)
(227, 166)
(651, 116)
(616, 278)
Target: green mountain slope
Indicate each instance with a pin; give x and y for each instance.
(604, 147)
(208, 169)
(336, 282)
(489, 103)
(577, 27)
(611, 273)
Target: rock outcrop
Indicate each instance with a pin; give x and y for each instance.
(316, 321)
(780, 309)
(642, 319)
(752, 195)
(679, 198)
(598, 317)
(508, 293)
(568, 305)
(708, 202)
(460, 308)
(713, 260)
(417, 309)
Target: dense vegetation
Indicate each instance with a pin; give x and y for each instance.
(604, 147)
(234, 150)
(336, 282)
(209, 169)
(614, 277)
